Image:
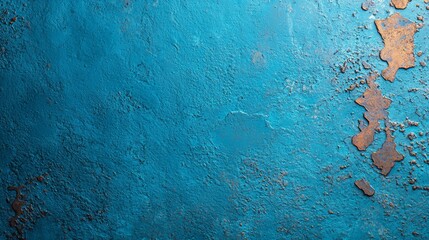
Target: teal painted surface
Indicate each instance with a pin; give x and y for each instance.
(202, 120)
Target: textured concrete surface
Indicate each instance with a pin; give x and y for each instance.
(204, 120)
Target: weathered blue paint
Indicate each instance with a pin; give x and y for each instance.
(202, 120)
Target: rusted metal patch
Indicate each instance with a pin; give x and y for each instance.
(400, 4)
(17, 206)
(387, 155)
(376, 105)
(398, 36)
(366, 188)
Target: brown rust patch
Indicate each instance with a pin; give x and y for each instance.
(376, 106)
(400, 4)
(17, 206)
(366, 188)
(398, 36)
(387, 155)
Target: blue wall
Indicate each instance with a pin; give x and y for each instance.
(202, 120)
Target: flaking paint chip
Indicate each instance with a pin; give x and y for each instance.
(366, 188)
(376, 105)
(400, 4)
(386, 156)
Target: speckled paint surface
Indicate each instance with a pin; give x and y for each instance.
(205, 120)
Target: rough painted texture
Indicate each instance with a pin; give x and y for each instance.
(204, 120)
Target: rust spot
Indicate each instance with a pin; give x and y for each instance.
(17, 205)
(376, 106)
(366, 188)
(40, 178)
(366, 65)
(343, 68)
(387, 155)
(398, 36)
(400, 4)
(367, 4)
(13, 20)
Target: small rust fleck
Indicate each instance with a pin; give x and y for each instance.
(352, 87)
(376, 105)
(411, 136)
(398, 36)
(387, 155)
(343, 68)
(366, 65)
(424, 188)
(366, 188)
(40, 178)
(400, 4)
(367, 4)
(12, 20)
(412, 123)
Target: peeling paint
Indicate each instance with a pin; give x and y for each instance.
(376, 106)
(366, 188)
(398, 36)
(387, 155)
(400, 4)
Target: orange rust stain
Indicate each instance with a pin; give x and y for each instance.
(387, 155)
(376, 106)
(398, 36)
(366, 188)
(400, 4)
